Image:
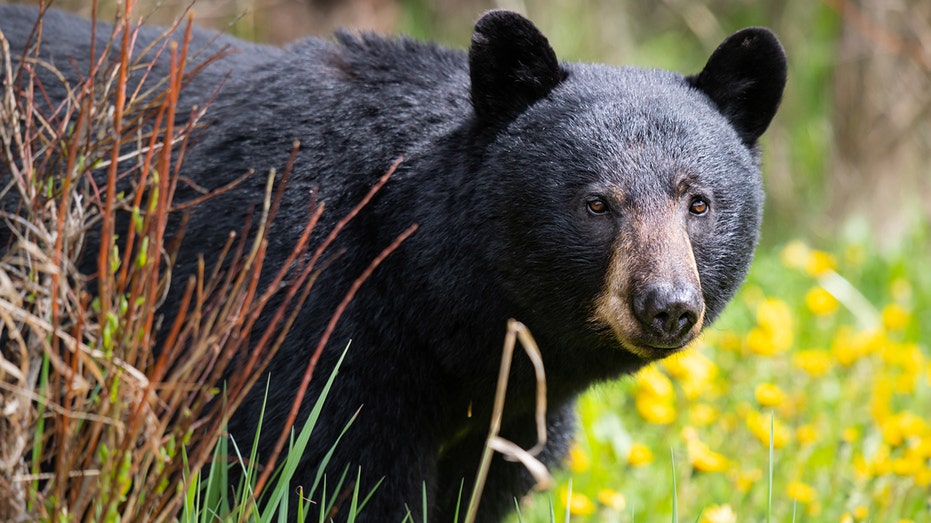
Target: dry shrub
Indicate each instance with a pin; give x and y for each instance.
(99, 422)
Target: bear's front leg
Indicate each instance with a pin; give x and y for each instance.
(507, 481)
(390, 460)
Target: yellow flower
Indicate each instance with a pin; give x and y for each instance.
(769, 395)
(718, 514)
(774, 315)
(806, 434)
(691, 365)
(895, 317)
(579, 461)
(862, 468)
(820, 302)
(773, 334)
(819, 263)
(801, 492)
(880, 399)
(904, 425)
(850, 346)
(729, 341)
(850, 434)
(745, 479)
(815, 362)
(922, 477)
(797, 255)
(653, 382)
(655, 397)
(759, 425)
(702, 414)
(579, 504)
(905, 466)
(860, 512)
(881, 463)
(654, 410)
(694, 372)
(707, 460)
(701, 456)
(639, 455)
(912, 425)
(612, 498)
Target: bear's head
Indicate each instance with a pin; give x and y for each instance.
(624, 199)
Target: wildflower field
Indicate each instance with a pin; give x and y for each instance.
(822, 354)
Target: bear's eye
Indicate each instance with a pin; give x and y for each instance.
(699, 206)
(597, 206)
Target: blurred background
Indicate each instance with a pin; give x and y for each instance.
(847, 157)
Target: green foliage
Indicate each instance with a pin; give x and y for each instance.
(214, 499)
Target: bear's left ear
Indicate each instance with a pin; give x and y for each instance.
(511, 66)
(745, 77)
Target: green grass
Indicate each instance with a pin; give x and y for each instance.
(839, 385)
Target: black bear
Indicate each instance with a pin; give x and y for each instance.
(613, 210)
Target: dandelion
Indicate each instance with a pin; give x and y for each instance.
(701, 456)
(850, 346)
(744, 480)
(774, 314)
(850, 434)
(880, 399)
(718, 514)
(797, 255)
(814, 362)
(905, 466)
(702, 414)
(579, 504)
(820, 302)
(922, 477)
(694, 371)
(819, 263)
(653, 382)
(654, 410)
(655, 397)
(806, 434)
(639, 455)
(881, 464)
(769, 395)
(895, 317)
(860, 512)
(801, 492)
(774, 333)
(862, 468)
(579, 461)
(612, 498)
(759, 425)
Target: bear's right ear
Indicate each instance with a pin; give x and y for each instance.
(745, 77)
(511, 66)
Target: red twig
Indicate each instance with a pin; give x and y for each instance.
(312, 364)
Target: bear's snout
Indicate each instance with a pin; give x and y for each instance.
(668, 313)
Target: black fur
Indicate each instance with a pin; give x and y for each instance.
(502, 148)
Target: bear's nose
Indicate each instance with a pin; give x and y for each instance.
(668, 313)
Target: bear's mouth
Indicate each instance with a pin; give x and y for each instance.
(652, 353)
